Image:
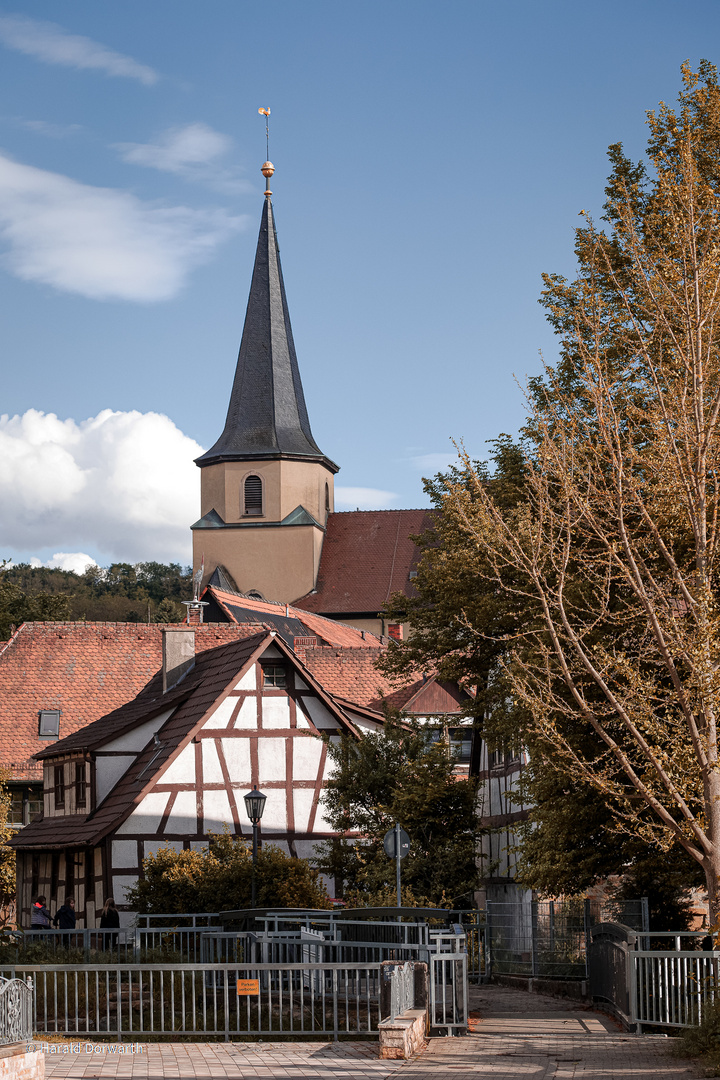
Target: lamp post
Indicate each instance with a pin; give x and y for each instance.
(255, 805)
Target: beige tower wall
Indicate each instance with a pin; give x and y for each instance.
(286, 485)
(281, 563)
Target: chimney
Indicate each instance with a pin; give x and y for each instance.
(178, 656)
(395, 631)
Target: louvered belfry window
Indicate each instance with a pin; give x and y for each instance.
(253, 496)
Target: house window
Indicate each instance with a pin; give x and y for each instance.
(49, 727)
(59, 785)
(25, 806)
(274, 676)
(80, 783)
(253, 497)
(461, 743)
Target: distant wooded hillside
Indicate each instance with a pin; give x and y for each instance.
(148, 591)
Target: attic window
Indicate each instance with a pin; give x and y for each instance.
(412, 575)
(49, 725)
(274, 676)
(253, 497)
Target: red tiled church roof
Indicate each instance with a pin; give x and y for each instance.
(328, 631)
(84, 669)
(367, 555)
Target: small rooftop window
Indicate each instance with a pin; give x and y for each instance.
(49, 726)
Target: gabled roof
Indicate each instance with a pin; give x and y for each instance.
(290, 622)
(83, 669)
(215, 672)
(367, 555)
(267, 416)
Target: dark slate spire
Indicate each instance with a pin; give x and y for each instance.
(267, 416)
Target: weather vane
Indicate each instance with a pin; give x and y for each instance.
(268, 168)
(266, 114)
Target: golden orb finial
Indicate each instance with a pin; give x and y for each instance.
(267, 170)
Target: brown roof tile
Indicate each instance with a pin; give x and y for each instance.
(84, 669)
(367, 555)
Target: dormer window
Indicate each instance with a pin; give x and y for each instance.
(253, 496)
(49, 724)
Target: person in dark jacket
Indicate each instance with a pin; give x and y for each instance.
(40, 916)
(65, 919)
(110, 920)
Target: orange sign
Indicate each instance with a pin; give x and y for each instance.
(248, 986)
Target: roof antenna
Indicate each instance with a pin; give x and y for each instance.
(268, 168)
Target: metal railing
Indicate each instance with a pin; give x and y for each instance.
(16, 1010)
(671, 989)
(202, 999)
(655, 987)
(401, 978)
(448, 979)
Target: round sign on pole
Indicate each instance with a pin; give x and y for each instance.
(389, 844)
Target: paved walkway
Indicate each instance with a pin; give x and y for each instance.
(515, 1036)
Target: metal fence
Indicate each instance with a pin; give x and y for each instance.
(656, 987)
(203, 999)
(549, 938)
(16, 1010)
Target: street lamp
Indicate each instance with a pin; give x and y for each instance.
(254, 805)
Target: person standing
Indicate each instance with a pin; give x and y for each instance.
(65, 919)
(40, 917)
(110, 920)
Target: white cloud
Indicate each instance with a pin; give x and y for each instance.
(430, 464)
(76, 561)
(121, 483)
(192, 151)
(48, 42)
(99, 242)
(362, 498)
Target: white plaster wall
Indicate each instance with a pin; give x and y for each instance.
(151, 847)
(321, 822)
(108, 771)
(247, 716)
(363, 724)
(182, 769)
(306, 757)
(248, 681)
(121, 884)
(216, 811)
(146, 817)
(221, 716)
(271, 760)
(302, 804)
(183, 816)
(273, 653)
(212, 773)
(237, 758)
(320, 716)
(124, 854)
(275, 816)
(300, 684)
(140, 736)
(199, 845)
(300, 719)
(276, 712)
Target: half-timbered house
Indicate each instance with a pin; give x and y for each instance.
(172, 765)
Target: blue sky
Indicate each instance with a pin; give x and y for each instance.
(431, 159)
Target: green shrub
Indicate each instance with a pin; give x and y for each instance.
(220, 879)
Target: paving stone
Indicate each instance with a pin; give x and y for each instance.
(516, 1036)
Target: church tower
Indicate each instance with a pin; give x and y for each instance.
(266, 487)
